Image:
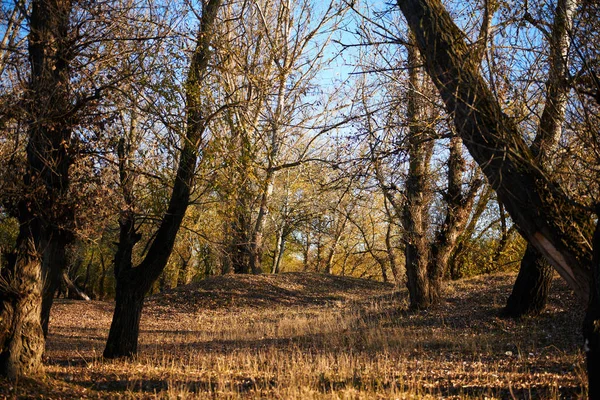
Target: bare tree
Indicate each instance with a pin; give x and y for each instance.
(134, 282)
(533, 283)
(545, 215)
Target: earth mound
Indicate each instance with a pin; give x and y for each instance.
(263, 291)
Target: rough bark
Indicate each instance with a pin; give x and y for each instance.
(538, 207)
(134, 282)
(42, 211)
(547, 219)
(415, 214)
(21, 335)
(458, 209)
(591, 322)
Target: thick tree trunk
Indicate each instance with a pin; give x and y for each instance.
(21, 335)
(416, 274)
(42, 205)
(125, 327)
(538, 207)
(415, 214)
(591, 322)
(530, 292)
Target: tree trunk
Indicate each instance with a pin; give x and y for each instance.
(256, 244)
(74, 291)
(279, 249)
(21, 335)
(53, 265)
(530, 292)
(591, 322)
(125, 327)
(534, 279)
(41, 207)
(458, 209)
(538, 207)
(415, 213)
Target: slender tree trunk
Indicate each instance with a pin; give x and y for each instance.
(102, 280)
(279, 249)
(54, 262)
(390, 251)
(458, 209)
(257, 247)
(532, 286)
(134, 283)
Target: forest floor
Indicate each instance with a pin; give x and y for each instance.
(311, 336)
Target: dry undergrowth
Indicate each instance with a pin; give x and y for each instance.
(304, 336)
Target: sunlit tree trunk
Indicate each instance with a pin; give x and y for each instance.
(416, 206)
(458, 209)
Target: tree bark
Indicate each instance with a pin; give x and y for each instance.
(125, 326)
(21, 335)
(458, 209)
(530, 292)
(536, 204)
(134, 283)
(42, 209)
(415, 214)
(54, 262)
(591, 322)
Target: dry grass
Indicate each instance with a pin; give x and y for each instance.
(308, 336)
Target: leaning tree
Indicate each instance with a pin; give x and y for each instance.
(547, 217)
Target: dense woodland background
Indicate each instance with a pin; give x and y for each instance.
(149, 144)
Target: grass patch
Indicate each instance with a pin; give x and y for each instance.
(309, 336)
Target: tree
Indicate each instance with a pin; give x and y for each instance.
(134, 282)
(532, 286)
(433, 211)
(538, 206)
(43, 214)
(270, 55)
